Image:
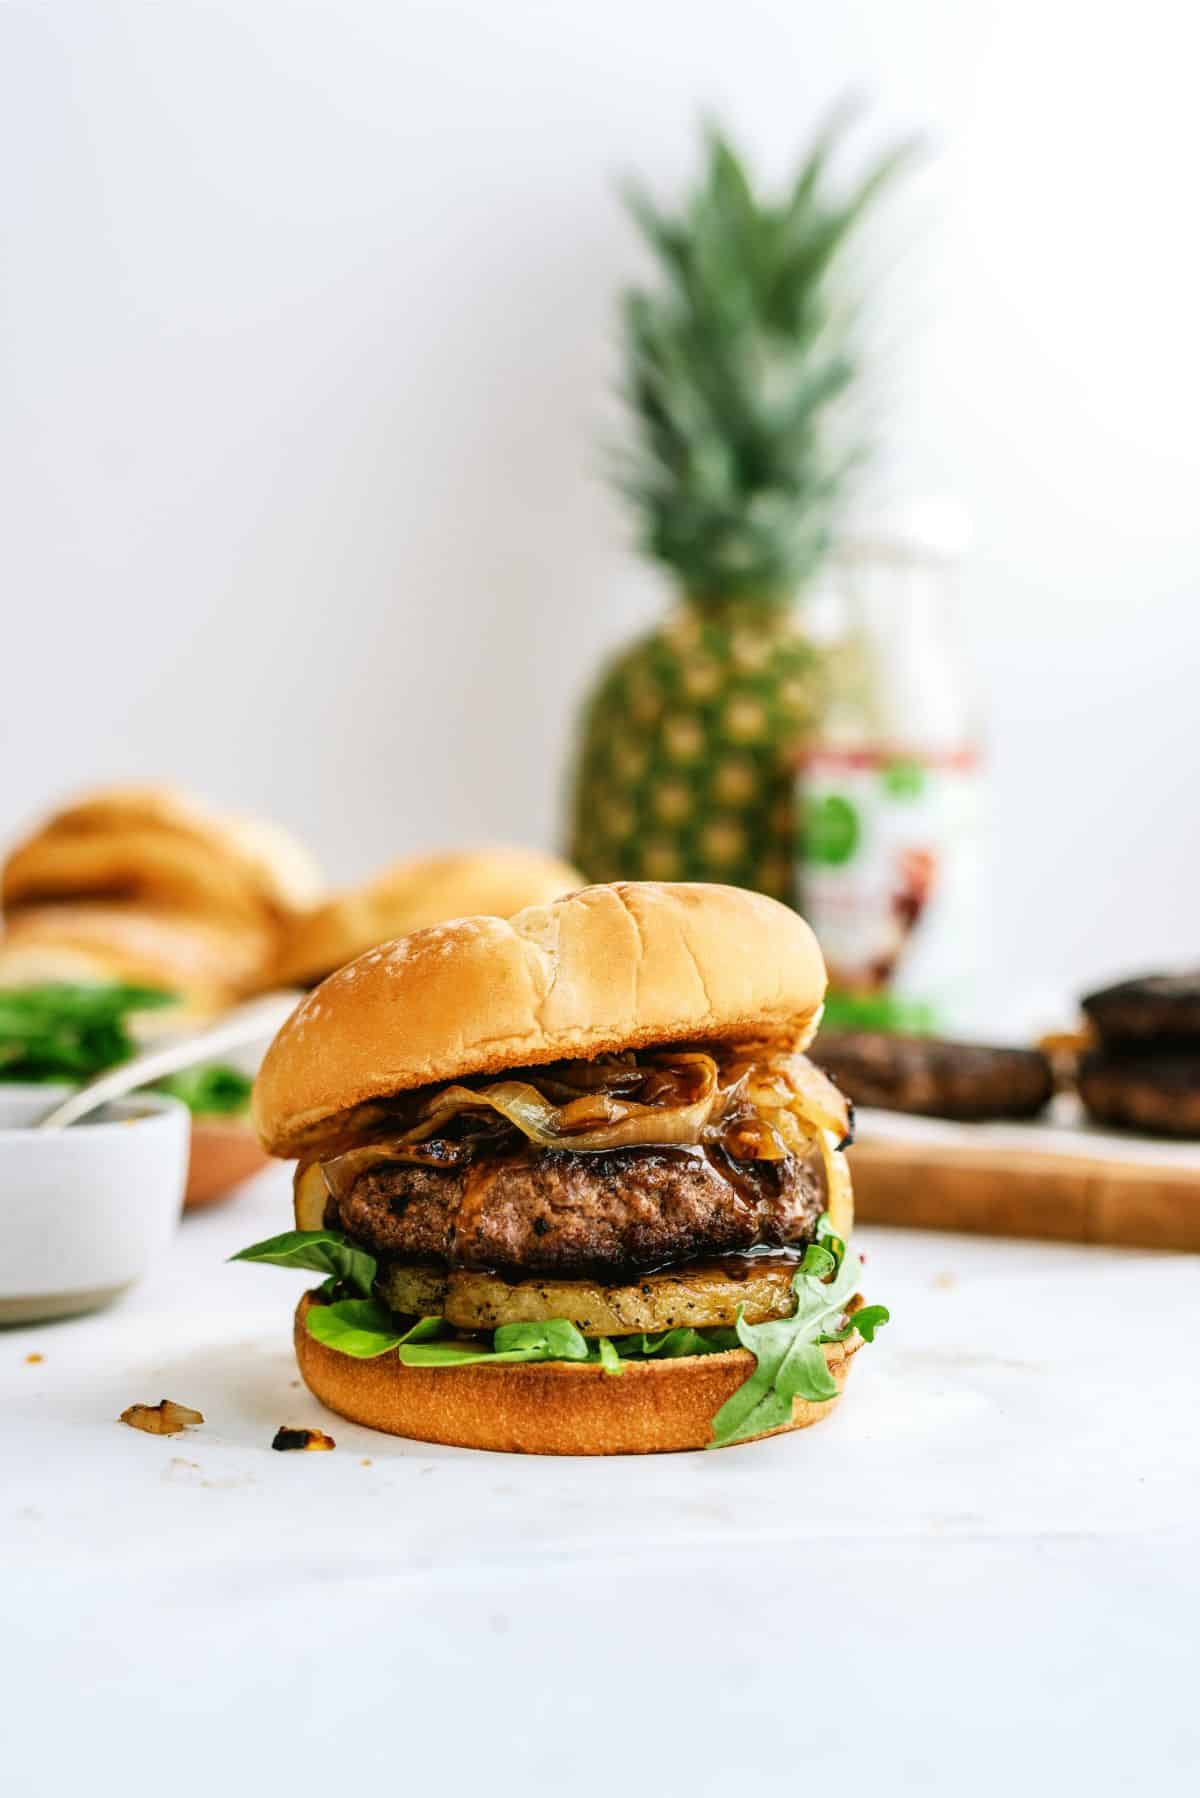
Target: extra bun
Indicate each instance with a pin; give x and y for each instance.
(208, 963)
(546, 1408)
(423, 890)
(607, 968)
(152, 846)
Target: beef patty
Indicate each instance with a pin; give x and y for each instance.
(939, 1079)
(553, 1211)
(1156, 1090)
(1154, 1007)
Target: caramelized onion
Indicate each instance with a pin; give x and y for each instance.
(755, 1101)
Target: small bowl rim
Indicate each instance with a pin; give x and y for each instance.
(151, 1107)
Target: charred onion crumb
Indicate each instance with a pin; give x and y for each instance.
(166, 1418)
(311, 1440)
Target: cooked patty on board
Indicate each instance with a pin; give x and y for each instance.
(1143, 1089)
(1154, 1007)
(926, 1075)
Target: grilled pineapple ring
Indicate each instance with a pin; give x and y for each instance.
(699, 1294)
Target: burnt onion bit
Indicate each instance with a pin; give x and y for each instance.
(286, 1438)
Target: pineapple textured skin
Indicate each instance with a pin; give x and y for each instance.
(686, 761)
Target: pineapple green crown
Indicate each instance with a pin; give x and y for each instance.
(735, 365)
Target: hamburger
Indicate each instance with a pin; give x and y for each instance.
(572, 1184)
(423, 889)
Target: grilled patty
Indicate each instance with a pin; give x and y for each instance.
(552, 1211)
(1156, 1090)
(1155, 1007)
(938, 1079)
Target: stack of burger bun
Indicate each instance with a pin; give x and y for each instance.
(493, 881)
(144, 884)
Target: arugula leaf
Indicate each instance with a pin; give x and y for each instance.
(213, 1091)
(672, 1344)
(556, 1340)
(869, 1318)
(364, 1328)
(610, 1361)
(790, 1359)
(359, 1327)
(61, 1031)
(321, 1251)
(866, 1320)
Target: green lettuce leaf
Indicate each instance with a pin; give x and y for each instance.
(326, 1252)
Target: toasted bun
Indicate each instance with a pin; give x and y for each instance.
(607, 968)
(151, 846)
(205, 963)
(550, 1407)
(423, 890)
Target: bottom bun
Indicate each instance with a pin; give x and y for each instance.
(546, 1407)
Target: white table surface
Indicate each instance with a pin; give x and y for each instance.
(981, 1575)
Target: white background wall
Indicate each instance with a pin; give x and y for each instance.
(307, 321)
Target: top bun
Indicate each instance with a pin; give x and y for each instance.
(608, 968)
(425, 889)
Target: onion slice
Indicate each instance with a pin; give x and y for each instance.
(758, 1101)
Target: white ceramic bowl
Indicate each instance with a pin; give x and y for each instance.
(84, 1211)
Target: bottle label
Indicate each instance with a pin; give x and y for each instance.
(889, 867)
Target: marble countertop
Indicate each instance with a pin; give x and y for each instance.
(981, 1575)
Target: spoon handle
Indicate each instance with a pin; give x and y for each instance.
(234, 1030)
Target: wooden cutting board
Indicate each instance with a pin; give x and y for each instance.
(1058, 1180)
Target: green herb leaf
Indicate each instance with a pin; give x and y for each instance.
(821, 1261)
(60, 1031)
(790, 1361)
(359, 1327)
(321, 1251)
(610, 1361)
(556, 1340)
(213, 1091)
(869, 1318)
(672, 1345)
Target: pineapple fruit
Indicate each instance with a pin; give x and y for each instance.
(739, 367)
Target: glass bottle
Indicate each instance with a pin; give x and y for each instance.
(889, 789)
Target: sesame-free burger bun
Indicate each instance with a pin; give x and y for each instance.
(604, 969)
(153, 846)
(422, 890)
(548, 1407)
(206, 963)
